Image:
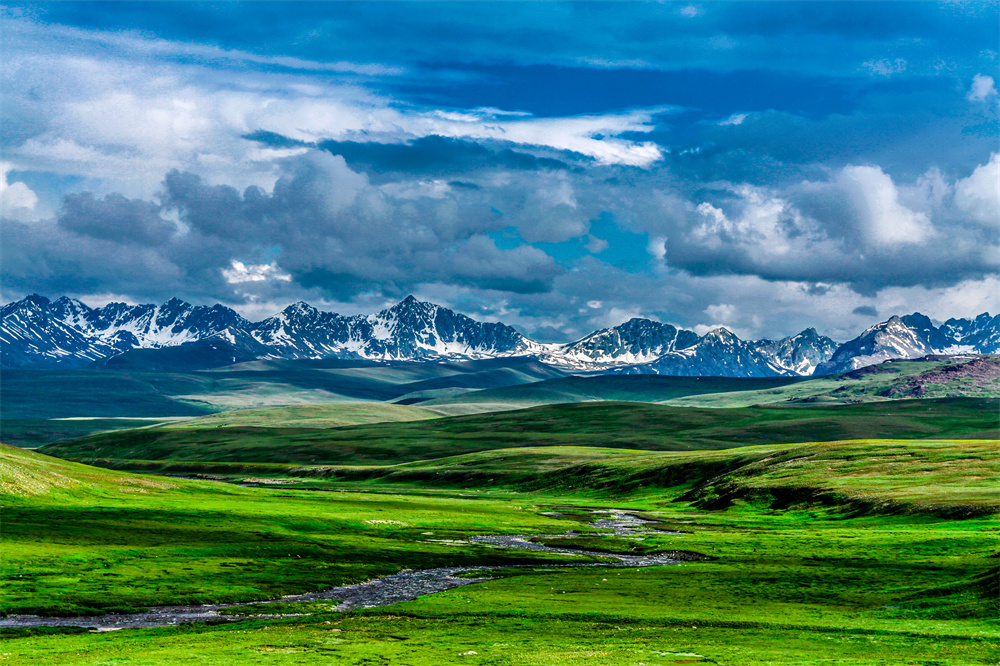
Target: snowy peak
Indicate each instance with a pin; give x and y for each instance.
(914, 336)
(799, 354)
(414, 329)
(70, 311)
(982, 333)
(31, 336)
(635, 341)
(719, 353)
(302, 331)
(172, 323)
(37, 332)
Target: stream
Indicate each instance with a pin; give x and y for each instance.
(392, 589)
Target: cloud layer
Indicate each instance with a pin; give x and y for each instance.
(562, 168)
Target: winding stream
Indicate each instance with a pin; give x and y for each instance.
(393, 589)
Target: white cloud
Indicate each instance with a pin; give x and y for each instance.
(135, 118)
(982, 88)
(240, 272)
(882, 220)
(720, 311)
(657, 247)
(735, 119)
(885, 66)
(979, 194)
(596, 245)
(17, 200)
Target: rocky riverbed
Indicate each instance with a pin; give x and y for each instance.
(393, 589)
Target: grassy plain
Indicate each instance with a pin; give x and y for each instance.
(803, 572)
(79, 539)
(330, 415)
(34, 402)
(607, 424)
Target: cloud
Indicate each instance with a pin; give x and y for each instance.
(720, 311)
(882, 220)
(657, 247)
(115, 218)
(885, 66)
(432, 154)
(17, 200)
(596, 245)
(240, 272)
(979, 195)
(648, 161)
(982, 88)
(865, 311)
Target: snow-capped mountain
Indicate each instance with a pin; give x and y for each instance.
(302, 331)
(226, 347)
(798, 354)
(409, 330)
(30, 335)
(981, 333)
(412, 329)
(913, 336)
(152, 326)
(36, 332)
(718, 353)
(635, 341)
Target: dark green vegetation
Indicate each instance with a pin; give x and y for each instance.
(949, 478)
(31, 399)
(618, 425)
(813, 580)
(299, 608)
(940, 378)
(632, 388)
(880, 549)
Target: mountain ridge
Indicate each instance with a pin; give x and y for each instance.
(37, 332)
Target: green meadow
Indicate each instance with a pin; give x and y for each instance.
(862, 551)
(606, 424)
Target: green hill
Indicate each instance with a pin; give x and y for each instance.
(943, 377)
(309, 416)
(602, 424)
(33, 401)
(951, 476)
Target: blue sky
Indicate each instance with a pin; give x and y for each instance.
(558, 166)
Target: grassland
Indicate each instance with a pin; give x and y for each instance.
(78, 539)
(610, 424)
(33, 402)
(925, 378)
(331, 415)
(809, 582)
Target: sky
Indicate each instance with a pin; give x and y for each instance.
(560, 167)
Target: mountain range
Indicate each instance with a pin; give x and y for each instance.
(38, 333)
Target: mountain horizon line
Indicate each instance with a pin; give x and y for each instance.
(410, 298)
(38, 332)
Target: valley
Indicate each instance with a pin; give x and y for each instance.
(771, 520)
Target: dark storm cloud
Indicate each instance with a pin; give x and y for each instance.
(115, 218)
(327, 227)
(865, 311)
(323, 227)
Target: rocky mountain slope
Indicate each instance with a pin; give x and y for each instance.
(36, 332)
